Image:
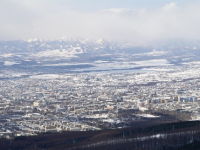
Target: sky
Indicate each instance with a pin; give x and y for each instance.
(136, 21)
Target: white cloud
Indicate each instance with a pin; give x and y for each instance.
(170, 7)
(40, 19)
(120, 11)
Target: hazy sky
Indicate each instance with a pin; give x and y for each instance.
(139, 21)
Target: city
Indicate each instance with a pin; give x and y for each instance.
(98, 100)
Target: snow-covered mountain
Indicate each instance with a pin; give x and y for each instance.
(71, 47)
(64, 55)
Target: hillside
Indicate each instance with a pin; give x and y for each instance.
(179, 135)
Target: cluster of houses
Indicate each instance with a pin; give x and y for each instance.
(88, 101)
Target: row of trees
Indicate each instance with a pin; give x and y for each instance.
(157, 137)
(162, 142)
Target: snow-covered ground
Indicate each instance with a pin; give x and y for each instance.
(69, 53)
(116, 65)
(102, 116)
(46, 76)
(147, 116)
(10, 63)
